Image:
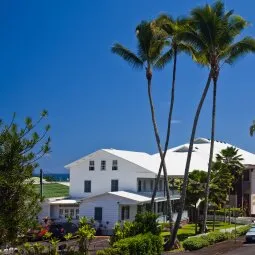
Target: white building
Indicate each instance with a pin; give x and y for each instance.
(113, 185)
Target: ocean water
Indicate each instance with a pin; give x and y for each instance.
(57, 176)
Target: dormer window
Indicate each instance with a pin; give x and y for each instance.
(115, 165)
(91, 165)
(103, 165)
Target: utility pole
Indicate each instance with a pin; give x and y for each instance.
(41, 184)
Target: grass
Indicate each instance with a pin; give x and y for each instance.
(189, 229)
(53, 190)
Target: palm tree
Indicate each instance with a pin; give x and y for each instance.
(252, 128)
(170, 29)
(212, 34)
(150, 45)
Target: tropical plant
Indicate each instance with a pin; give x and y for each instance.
(150, 45)
(212, 34)
(252, 129)
(86, 234)
(19, 154)
(195, 193)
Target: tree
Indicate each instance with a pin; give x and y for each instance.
(150, 45)
(170, 29)
(252, 129)
(226, 172)
(20, 150)
(212, 34)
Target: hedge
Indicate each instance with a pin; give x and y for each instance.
(195, 243)
(143, 244)
(109, 251)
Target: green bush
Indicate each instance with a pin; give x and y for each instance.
(143, 223)
(241, 231)
(216, 237)
(147, 222)
(146, 244)
(109, 251)
(195, 243)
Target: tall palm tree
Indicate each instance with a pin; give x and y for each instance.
(213, 35)
(229, 162)
(252, 128)
(150, 45)
(170, 29)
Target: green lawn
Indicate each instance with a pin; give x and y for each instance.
(53, 190)
(189, 229)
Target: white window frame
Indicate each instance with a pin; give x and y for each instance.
(115, 165)
(91, 165)
(103, 165)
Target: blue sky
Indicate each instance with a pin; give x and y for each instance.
(55, 55)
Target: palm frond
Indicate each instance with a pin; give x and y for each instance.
(240, 49)
(218, 8)
(191, 38)
(252, 129)
(164, 59)
(127, 55)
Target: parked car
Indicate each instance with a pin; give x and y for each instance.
(58, 230)
(250, 235)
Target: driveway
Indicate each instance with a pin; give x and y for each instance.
(246, 249)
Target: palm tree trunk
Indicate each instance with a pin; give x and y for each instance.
(169, 206)
(168, 129)
(207, 187)
(214, 215)
(186, 173)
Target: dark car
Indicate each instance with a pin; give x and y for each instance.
(59, 230)
(250, 235)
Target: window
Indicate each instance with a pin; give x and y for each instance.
(160, 185)
(91, 165)
(72, 212)
(144, 185)
(246, 175)
(124, 212)
(66, 213)
(98, 213)
(151, 185)
(139, 185)
(77, 212)
(160, 207)
(115, 165)
(61, 213)
(87, 186)
(114, 185)
(103, 164)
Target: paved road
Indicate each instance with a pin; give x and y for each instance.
(246, 249)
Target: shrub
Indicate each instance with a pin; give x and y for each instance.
(195, 243)
(109, 251)
(240, 231)
(147, 222)
(216, 237)
(147, 244)
(143, 223)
